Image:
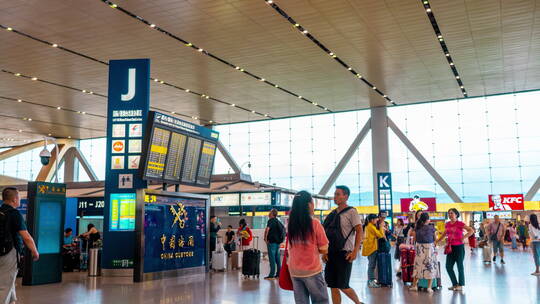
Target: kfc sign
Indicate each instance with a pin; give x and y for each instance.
(416, 203)
(502, 202)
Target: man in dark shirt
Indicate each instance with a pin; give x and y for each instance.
(273, 236)
(8, 261)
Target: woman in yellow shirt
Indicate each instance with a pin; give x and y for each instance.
(370, 247)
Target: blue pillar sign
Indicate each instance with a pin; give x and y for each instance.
(128, 105)
(384, 188)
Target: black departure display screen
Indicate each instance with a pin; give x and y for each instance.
(178, 152)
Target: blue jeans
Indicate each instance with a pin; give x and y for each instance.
(536, 252)
(372, 263)
(273, 256)
(514, 243)
(313, 287)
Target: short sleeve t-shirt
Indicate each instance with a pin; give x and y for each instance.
(17, 224)
(454, 232)
(68, 240)
(425, 235)
(304, 258)
(349, 220)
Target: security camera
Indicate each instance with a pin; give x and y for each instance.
(45, 156)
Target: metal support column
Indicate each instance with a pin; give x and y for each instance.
(438, 178)
(228, 157)
(345, 159)
(534, 189)
(69, 166)
(379, 146)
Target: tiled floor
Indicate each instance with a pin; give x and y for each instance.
(510, 283)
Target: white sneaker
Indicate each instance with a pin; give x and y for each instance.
(430, 290)
(535, 273)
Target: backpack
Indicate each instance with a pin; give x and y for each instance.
(282, 232)
(332, 228)
(6, 236)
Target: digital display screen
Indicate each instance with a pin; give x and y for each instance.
(157, 153)
(501, 214)
(176, 156)
(256, 199)
(286, 199)
(178, 152)
(224, 200)
(192, 158)
(206, 164)
(174, 233)
(123, 211)
(49, 227)
(321, 204)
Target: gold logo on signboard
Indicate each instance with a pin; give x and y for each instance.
(180, 215)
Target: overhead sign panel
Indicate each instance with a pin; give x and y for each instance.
(256, 199)
(501, 202)
(224, 200)
(178, 152)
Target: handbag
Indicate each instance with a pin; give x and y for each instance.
(285, 280)
(494, 237)
(448, 247)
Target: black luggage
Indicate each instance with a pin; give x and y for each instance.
(251, 261)
(384, 267)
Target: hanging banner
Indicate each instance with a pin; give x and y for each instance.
(501, 202)
(418, 203)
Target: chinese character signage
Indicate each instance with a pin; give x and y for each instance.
(127, 115)
(501, 202)
(174, 233)
(417, 203)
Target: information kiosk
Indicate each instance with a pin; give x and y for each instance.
(171, 234)
(45, 219)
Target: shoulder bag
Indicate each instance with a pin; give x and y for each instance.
(285, 280)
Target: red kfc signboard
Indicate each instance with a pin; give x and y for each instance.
(416, 203)
(501, 202)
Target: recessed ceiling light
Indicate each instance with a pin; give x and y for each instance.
(84, 91)
(305, 31)
(439, 36)
(189, 44)
(34, 78)
(300, 97)
(200, 50)
(265, 115)
(374, 88)
(262, 79)
(187, 90)
(252, 111)
(207, 97)
(49, 134)
(428, 10)
(326, 109)
(358, 75)
(29, 119)
(331, 54)
(211, 121)
(69, 136)
(241, 70)
(173, 112)
(20, 131)
(270, 1)
(296, 24)
(384, 96)
(59, 108)
(315, 104)
(451, 63)
(461, 87)
(350, 69)
(440, 39)
(447, 55)
(152, 25)
(232, 105)
(156, 80)
(457, 77)
(9, 29)
(83, 113)
(17, 74)
(238, 68)
(19, 100)
(55, 45)
(161, 81)
(276, 86)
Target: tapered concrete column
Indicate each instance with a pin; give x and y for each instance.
(379, 146)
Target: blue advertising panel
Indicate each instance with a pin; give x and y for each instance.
(127, 115)
(172, 234)
(384, 189)
(45, 221)
(175, 234)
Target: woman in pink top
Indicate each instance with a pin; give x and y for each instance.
(454, 236)
(307, 241)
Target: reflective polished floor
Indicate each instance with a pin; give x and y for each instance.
(495, 283)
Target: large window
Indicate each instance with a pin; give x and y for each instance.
(479, 146)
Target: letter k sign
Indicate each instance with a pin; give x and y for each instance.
(131, 85)
(383, 183)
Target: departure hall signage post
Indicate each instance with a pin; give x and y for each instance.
(127, 115)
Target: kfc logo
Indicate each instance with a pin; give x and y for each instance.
(505, 202)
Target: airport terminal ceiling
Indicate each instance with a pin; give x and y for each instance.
(217, 61)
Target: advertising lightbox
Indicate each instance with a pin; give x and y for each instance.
(256, 199)
(501, 202)
(224, 200)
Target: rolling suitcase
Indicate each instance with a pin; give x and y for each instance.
(384, 268)
(486, 253)
(219, 260)
(251, 261)
(407, 264)
(236, 258)
(435, 283)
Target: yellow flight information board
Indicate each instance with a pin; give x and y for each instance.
(178, 152)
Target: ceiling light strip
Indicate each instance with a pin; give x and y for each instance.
(49, 106)
(84, 91)
(206, 53)
(444, 47)
(306, 33)
(105, 63)
(29, 119)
